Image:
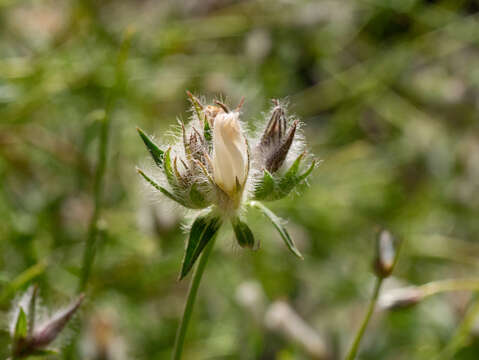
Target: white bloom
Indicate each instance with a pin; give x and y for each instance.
(230, 153)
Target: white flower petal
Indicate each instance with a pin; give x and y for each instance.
(229, 152)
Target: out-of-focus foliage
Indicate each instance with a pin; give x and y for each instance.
(388, 90)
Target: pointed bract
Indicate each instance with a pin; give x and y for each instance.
(155, 152)
(202, 231)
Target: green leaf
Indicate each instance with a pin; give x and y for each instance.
(203, 230)
(243, 233)
(277, 224)
(32, 305)
(162, 189)
(155, 152)
(21, 325)
(265, 188)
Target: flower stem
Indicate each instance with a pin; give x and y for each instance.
(190, 301)
(463, 330)
(436, 287)
(90, 248)
(93, 233)
(359, 335)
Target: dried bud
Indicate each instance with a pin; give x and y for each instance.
(276, 141)
(230, 153)
(385, 254)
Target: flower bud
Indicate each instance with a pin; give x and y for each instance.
(52, 328)
(276, 139)
(230, 153)
(385, 254)
(27, 338)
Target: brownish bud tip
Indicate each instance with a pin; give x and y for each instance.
(222, 105)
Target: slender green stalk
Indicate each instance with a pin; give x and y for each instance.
(190, 301)
(90, 247)
(359, 335)
(92, 235)
(463, 330)
(436, 287)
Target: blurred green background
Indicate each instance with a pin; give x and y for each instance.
(388, 91)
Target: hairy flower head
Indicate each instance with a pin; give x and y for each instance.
(210, 168)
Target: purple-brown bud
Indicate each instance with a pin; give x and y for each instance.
(50, 331)
(276, 139)
(28, 339)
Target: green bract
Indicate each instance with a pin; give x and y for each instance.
(274, 187)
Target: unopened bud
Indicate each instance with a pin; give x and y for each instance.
(276, 139)
(50, 331)
(385, 254)
(27, 339)
(230, 153)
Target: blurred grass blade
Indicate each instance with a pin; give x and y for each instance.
(155, 152)
(277, 224)
(32, 310)
(21, 325)
(203, 230)
(21, 280)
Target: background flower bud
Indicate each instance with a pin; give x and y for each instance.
(230, 153)
(385, 254)
(52, 328)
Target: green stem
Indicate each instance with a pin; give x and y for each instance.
(436, 287)
(359, 335)
(90, 248)
(463, 330)
(190, 301)
(92, 235)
